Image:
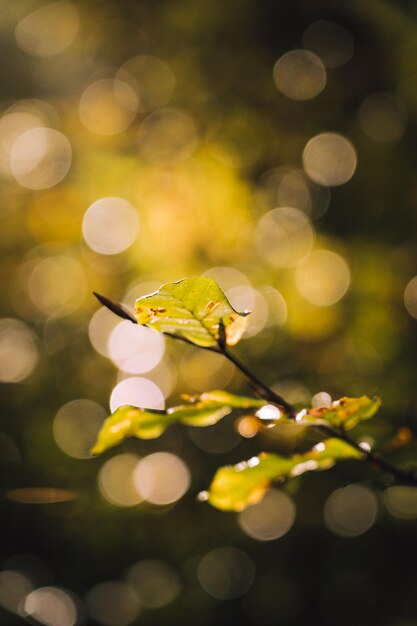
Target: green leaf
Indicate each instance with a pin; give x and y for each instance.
(224, 397)
(236, 487)
(205, 409)
(344, 413)
(194, 308)
(130, 421)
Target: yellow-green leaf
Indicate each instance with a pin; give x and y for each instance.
(205, 409)
(345, 413)
(130, 421)
(224, 397)
(236, 487)
(194, 308)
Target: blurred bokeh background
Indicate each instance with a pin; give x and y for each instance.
(272, 146)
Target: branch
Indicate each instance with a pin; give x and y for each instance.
(374, 459)
(258, 386)
(115, 307)
(263, 391)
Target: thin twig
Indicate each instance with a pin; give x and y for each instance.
(115, 307)
(258, 386)
(375, 460)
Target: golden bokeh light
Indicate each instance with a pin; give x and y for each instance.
(14, 587)
(151, 78)
(137, 289)
(320, 399)
(293, 191)
(383, 117)
(164, 375)
(226, 573)
(40, 495)
(329, 159)
(76, 425)
(410, 297)
(16, 120)
(300, 75)
(110, 225)
(115, 480)
(270, 519)
(287, 186)
(284, 236)
(351, 511)
(323, 277)
(401, 501)
(155, 582)
(137, 391)
(294, 391)
(269, 412)
(40, 158)
(113, 603)
(333, 43)
(249, 299)
(161, 478)
(57, 285)
(100, 328)
(108, 106)
(284, 186)
(203, 369)
(19, 353)
(247, 426)
(277, 306)
(228, 277)
(49, 30)
(51, 606)
(167, 137)
(135, 349)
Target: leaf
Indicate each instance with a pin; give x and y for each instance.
(130, 421)
(236, 487)
(205, 409)
(344, 413)
(195, 309)
(224, 397)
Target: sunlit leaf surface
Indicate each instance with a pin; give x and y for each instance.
(193, 308)
(224, 397)
(204, 410)
(238, 486)
(344, 413)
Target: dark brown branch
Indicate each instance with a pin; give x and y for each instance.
(374, 459)
(115, 307)
(258, 386)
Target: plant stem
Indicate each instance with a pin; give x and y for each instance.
(374, 459)
(258, 386)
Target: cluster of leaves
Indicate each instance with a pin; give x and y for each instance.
(197, 311)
